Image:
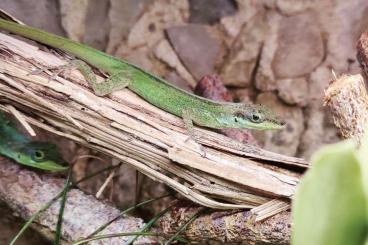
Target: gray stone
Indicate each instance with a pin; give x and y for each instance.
(73, 18)
(293, 91)
(43, 14)
(210, 11)
(318, 81)
(234, 23)
(123, 15)
(178, 81)
(344, 23)
(244, 95)
(265, 78)
(291, 7)
(97, 19)
(240, 63)
(300, 46)
(196, 48)
(318, 132)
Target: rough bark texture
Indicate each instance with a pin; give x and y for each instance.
(362, 54)
(347, 99)
(228, 226)
(27, 191)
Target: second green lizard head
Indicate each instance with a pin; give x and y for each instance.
(40, 155)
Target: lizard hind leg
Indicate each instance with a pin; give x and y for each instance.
(114, 82)
(188, 122)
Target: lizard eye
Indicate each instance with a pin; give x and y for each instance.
(256, 118)
(38, 155)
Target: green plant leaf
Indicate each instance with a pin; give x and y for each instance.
(330, 205)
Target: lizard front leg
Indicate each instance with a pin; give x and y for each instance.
(115, 82)
(187, 115)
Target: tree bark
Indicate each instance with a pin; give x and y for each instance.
(227, 226)
(26, 191)
(347, 100)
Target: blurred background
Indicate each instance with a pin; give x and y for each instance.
(279, 53)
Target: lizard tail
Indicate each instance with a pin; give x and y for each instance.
(92, 56)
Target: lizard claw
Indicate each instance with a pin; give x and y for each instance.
(201, 150)
(38, 71)
(54, 74)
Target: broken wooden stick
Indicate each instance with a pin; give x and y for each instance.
(128, 128)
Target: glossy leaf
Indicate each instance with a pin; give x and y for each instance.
(330, 205)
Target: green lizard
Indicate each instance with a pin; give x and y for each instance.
(35, 154)
(192, 108)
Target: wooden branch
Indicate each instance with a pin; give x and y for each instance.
(227, 226)
(128, 128)
(132, 130)
(27, 191)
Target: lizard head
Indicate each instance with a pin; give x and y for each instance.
(40, 155)
(255, 117)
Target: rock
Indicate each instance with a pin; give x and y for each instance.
(149, 29)
(300, 46)
(318, 81)
(233, 24)
(285, 141)
(265, 78)
(43, 14)
(318, 131)
(81, 19)
(140, 58)
(73, 18)
(293, 91)
(239, 65)
(210, 11)
(292, 7)
(196, 48)
(212, 87)
(244, 95)
(165, 53)
(174, 78)
(97, 19)
(148, 32)
(122, 16)
(344, 23)
(319, 126)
